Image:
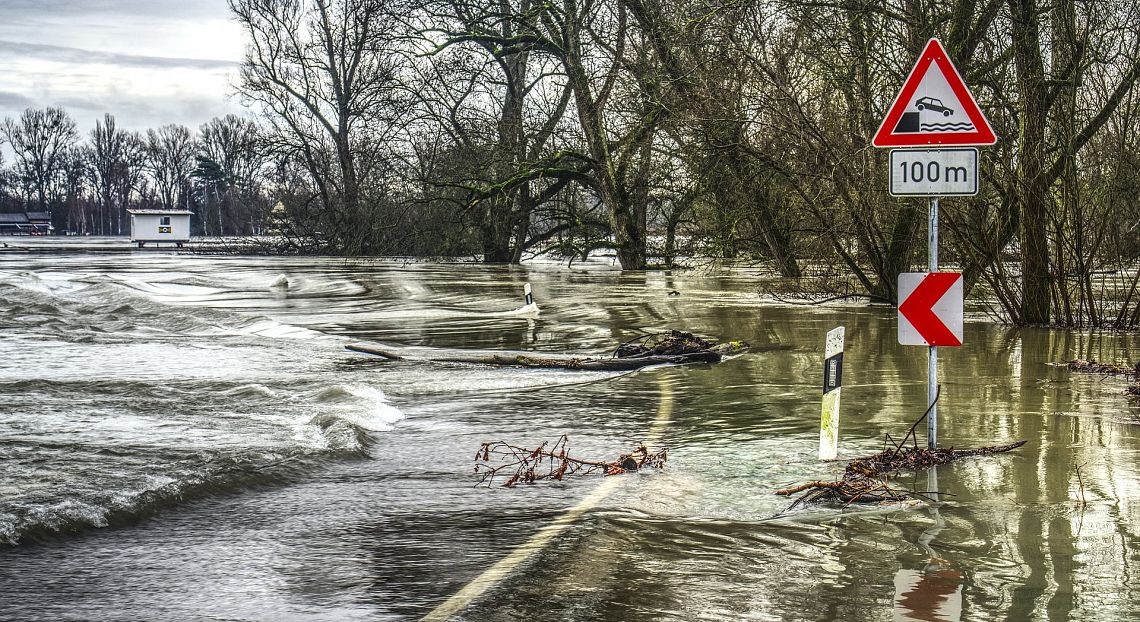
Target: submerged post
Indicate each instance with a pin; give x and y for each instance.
(832, 383)
(932, 356)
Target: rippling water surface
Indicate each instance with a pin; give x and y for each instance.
(185, 437)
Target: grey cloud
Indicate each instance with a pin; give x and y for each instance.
(15, 9)
(64, 54)
(131, 111)
(9, 100)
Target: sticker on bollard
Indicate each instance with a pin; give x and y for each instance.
(832, 385)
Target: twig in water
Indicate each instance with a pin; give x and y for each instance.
(1081, 484)
(531, 465)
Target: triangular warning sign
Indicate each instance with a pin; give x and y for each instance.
(934, 107)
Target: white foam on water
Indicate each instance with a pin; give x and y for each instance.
(265, 327)
(364, 406)
(530, 310)
(342, 416)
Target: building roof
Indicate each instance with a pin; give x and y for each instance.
(39, 215)
(160, 212)
(13, 219)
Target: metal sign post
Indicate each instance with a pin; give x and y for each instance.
(936, 116)
(932, 356)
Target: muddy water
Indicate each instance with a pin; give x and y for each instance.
(181, 440)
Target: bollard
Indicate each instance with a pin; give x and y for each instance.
(832, 384)
(527, 294)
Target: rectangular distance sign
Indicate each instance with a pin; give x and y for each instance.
(934, 172)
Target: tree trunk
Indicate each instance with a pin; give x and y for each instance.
(1032, 185)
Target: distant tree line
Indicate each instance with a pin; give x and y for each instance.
(736, 129)
(87, 183)
(716, 128)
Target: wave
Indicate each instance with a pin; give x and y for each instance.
(119, 485)
(251, 391)
(946, 127)
(130, 467)
(362, 406)
(82, 307)
(23, 521)
(266, 327)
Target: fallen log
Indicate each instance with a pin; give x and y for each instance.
(679, 351)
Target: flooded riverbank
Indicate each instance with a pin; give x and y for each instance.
(181, 439)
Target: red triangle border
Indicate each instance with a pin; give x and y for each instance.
(934, 53)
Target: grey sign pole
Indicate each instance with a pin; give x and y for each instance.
(932, 359)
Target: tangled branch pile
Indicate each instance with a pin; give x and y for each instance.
(893, 461)
(674, 343)
(530, 465)
(866, 480)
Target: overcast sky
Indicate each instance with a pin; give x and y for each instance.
(148, 62)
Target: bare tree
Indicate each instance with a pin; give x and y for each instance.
(590, 41)
(228, 165)
(501, 107)
(112, 156)
(39, 139)
(170, 159)
(323, 72)
(73, 190)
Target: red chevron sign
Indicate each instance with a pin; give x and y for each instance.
(930, 311)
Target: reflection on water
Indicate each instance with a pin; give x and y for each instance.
(180, 438)
(930, 595)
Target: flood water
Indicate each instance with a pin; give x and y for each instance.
(179, 440)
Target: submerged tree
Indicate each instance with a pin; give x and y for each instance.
(324, 74)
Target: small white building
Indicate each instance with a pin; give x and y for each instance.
(160, 225)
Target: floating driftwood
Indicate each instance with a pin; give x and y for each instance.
(530, 465)
(867, 479)
(1108, 369)
(1105, 369)
(673, 348)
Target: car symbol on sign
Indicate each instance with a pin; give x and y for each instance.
(934, 104)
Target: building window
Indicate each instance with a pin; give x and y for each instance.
(165, 221)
